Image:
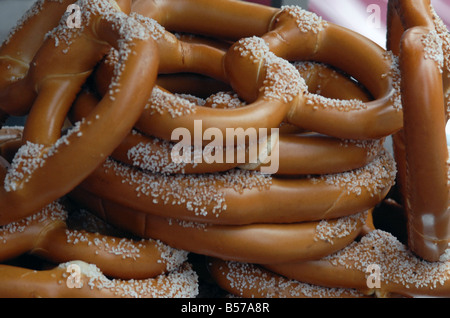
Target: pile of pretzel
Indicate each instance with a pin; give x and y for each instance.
(93, 183)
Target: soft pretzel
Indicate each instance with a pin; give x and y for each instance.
(20, 282)
(316, 77)
(254, 243)
(422, 43)
(243, 197)
(253, 281)
(428, 192)
(59, 70)
(18, 51)
(400, 271)
(50, 235)
(299, 154)
(294, 34)
(279, 84)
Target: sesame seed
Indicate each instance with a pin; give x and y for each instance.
(244, 277)
(306, 21)
(397, 263)
(374, 177)
(201, 194)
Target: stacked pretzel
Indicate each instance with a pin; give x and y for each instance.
(48, 75)
(295, 199)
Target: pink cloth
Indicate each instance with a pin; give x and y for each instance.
(362, 15)
(367, 17)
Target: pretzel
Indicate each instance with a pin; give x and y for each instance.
(51, 235)
(45, 150)
(20, 282)
(18, 51)
(295, 34)
(279, 84)
(424, 53)
(253, 281)
(141, 268)
(243, 197)
(298, 153)
(259, 243)
(401, 272)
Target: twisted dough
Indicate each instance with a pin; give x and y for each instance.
(298, 153)
(294, 34)
(181, 283)
(50, 235)
(401, 272)
(258, 243)
(252, 281)
(57, 234)
(18, 51)
(243, 197)
(422, 42)
(45, 151)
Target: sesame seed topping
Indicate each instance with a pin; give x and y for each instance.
(373, 147)
(202, 194)
(395, 74)
(306, 21)
(444, 34)
(31, 156)
(343, 227)
(162, 102)
(129, 28)
(282, 81)
(155, 156)
(373, 178)
(244, 277)
(397, 263)
(433, 48)
(86, 228)
(180, 283)
(316, 101)
(53, 212)
(26, 160)
(225, 100)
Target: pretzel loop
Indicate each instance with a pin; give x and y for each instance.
(45, 151)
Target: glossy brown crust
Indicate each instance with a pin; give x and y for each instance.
(190, 56)
(19, 49)
(113, 116)
(20, 282)
(240, 197)
(402, 15)
(332, 46)
(427, 191)
(231, 20)
(321, 41)
(254, 243)
(253, 281)
(51, 235)
(421, 147)
(298, 154)
(401, 272)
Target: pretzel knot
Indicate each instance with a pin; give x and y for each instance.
(57, 72)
